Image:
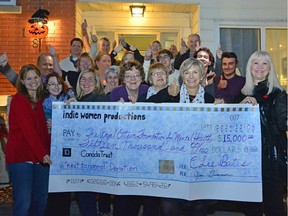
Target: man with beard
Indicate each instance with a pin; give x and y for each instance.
(228, 85)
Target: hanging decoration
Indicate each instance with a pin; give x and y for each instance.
(37, 28)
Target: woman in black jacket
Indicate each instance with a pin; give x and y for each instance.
(262, 87)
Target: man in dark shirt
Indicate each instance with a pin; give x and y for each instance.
(228, 84)
(187, 51)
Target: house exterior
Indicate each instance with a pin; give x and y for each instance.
(164, 20)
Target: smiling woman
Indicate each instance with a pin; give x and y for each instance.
(191, 91)
(89, 85)
(131, 76)
(27, 149)
(263, 88)
(87, 91)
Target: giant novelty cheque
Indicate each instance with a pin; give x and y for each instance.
(182, 151)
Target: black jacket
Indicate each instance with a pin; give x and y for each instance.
(180, 58)
(163, 97)
(273, 117)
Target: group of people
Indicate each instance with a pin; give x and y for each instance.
(191, 75)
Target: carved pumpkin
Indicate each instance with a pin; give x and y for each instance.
(35, 30)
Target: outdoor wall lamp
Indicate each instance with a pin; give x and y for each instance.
(137, 10)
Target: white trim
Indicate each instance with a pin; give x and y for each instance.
(262, 26)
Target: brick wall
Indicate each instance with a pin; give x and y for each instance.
(19, 48)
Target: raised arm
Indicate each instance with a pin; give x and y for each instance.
(218, 62)
(94, 46)
(7, 70)
(182, 55)
(85, 36)
(56, 65)
(115, 51)
(137, 54)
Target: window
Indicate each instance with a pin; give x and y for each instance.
(276, 46)
(245, 41)
(8, 2)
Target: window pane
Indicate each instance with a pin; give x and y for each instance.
(276, 45)
(243, 42)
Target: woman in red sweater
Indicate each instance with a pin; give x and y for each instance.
(27, 149)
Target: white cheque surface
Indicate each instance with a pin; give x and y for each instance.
(168, 150)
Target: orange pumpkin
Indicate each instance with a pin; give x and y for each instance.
(36, 30)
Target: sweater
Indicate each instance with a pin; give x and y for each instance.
(121, 92)
(28, 138)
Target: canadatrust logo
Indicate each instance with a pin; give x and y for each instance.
(66, 152)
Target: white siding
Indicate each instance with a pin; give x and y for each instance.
(241, 12)
(205, 20)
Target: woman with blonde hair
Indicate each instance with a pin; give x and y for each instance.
(89, 87)
(87, 91)
(262, 87)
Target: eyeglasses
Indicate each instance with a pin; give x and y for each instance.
(159, 73)
(112, 78)
(54, 84)
(132, 76)
(89, 80)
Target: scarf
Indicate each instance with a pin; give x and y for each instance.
(184, 96)
(152, 91)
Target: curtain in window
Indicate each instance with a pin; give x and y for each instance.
(243, 42)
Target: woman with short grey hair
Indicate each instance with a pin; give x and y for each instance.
(111, 75)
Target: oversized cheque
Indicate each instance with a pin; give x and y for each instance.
(167, 150)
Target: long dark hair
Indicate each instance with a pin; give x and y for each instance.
(21, 88)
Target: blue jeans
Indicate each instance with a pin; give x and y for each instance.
(30, 188)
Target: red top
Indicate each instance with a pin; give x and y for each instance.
(28, 138)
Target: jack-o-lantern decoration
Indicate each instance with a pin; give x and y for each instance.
(36, 30)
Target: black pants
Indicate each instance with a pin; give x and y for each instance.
(58, 204)
(130, 205)
(176, 207)
(104, 203)
(273, 205)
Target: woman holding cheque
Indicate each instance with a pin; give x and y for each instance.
(262, 87)
(131, 76)
(87, 87)
(158, 79)
(191, 91)
(56, 91)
